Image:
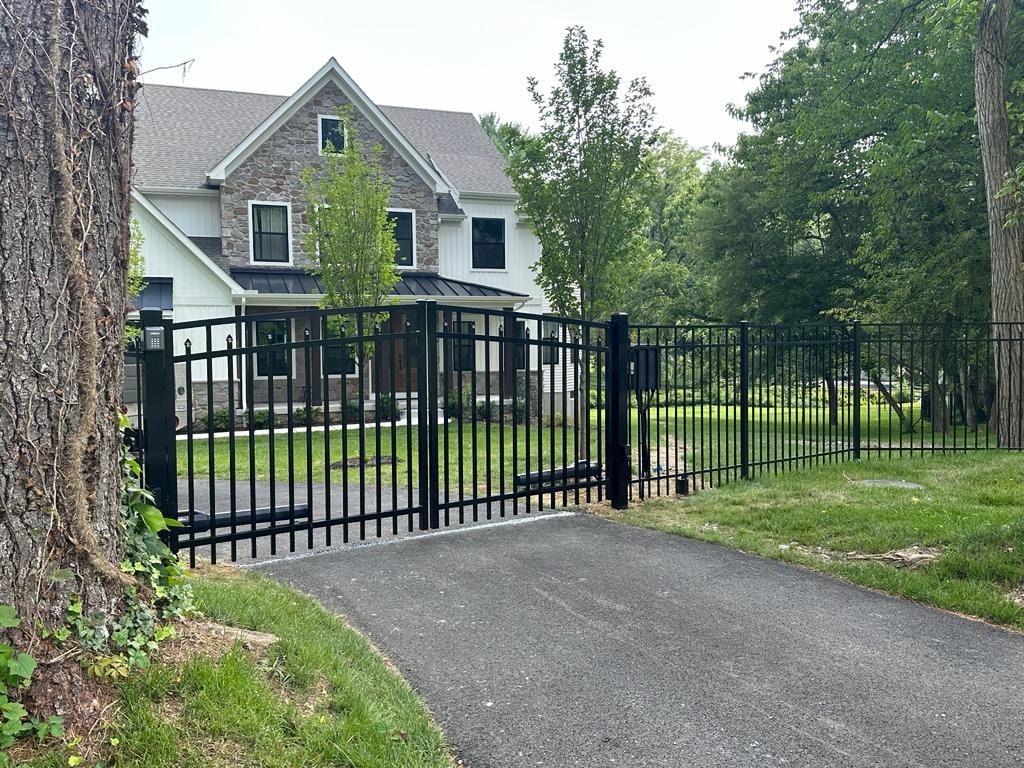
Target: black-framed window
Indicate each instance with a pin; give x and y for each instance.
(332, 135)
(550, 332)
(519, 347)
(337, 357)
(269, 233)
(464, 350)
(272, 362)
(404, 237)
(488, 243)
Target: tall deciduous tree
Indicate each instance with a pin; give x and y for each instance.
(671, 284)
(1004, 229)
(504, 135)
(580, 178)
(350, 238)
(65, 150)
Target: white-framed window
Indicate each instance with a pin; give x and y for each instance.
(488, 244)
(270, 232)
(551, 330)
(405, 236)
(330, 134)
(464, 349)
(273, 362)
(339, 359)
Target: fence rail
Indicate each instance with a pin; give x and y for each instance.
(716, 403)
(290, 430)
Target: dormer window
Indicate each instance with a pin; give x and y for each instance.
(332, 134)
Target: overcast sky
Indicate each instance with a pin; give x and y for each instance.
(473, 55)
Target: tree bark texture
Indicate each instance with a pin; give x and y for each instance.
(66, 97)
(833, 399)
(968, 399)
(1004, 241)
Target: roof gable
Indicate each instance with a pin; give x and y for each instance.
(177, 235)
(331, 72)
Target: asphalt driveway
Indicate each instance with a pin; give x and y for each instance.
(574, 641)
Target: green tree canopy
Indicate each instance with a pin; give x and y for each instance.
(580, 179)
(670, 283)
(857, 191)
(504, 135)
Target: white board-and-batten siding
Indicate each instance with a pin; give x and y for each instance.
(198, 293)
(522, 249)
(197, 215)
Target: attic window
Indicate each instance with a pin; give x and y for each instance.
(332, 134)
(405, 253)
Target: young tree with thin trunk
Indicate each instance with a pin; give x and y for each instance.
(65, 205)
(351, 239)
(580, 179)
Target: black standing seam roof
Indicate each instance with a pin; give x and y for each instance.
(296, 281)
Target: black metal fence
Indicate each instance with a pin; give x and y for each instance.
(291, 430)
(715, 403)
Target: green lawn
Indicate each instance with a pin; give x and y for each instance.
(692, 436)
(490, 448)
(323, 696)
(970, 507)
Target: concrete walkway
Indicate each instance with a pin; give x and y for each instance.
(573, 641)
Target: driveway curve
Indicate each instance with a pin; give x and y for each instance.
(573, 641)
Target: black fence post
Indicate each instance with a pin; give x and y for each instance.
(158, 428)
(426, 408)
(856, 389)
(744, 399)
(617, 417)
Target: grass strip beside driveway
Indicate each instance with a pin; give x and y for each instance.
(969, 510)
(319, 697)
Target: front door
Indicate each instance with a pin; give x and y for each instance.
(398, 359)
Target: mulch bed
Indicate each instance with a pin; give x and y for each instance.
(366, 461)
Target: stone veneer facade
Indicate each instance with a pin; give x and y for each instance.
(271, 174)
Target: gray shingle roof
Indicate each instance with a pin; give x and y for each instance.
(182, 133)
(457, 145)
(446, 204)
(211, 246)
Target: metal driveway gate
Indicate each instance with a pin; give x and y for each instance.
(292, 430)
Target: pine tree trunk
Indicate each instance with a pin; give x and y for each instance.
(65, 142)
(1004, 241)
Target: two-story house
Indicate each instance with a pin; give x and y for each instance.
(221, 207)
